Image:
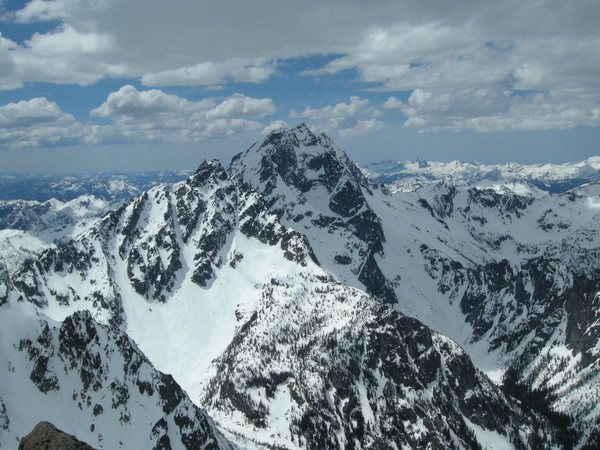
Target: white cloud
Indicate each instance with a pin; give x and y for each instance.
(495, 110)
(342, 110)
(209, 73)
(361, 127)
(348, 119)
(150, 116)
(64, 55)
(42, 11)
(129, 103)
(239, 105)
(468, 102)
(66, 41)
(155, 116)
(230, 127)
(393, 103)
(8, 75)
(467, 73)
(32, 112)
(37, 122)
(274, 125)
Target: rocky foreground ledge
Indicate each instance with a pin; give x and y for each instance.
(47, 437)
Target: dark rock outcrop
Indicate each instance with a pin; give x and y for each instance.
(46, 436)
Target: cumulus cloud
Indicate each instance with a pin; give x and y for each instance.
(209, 73)
(40, 11)
(129, 103)
(541, 111)
(8, 76)
(198, 43)
(67, 41)
(470, 72)
(230, 127)
(37, 122)
(348, 119)
(32, 112)
(239, 105)
(274, 125)
(65, 55)
(494, 110)
(50, 10)
(150, 116)
(155, 116)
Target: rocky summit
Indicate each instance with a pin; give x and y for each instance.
(290, 300)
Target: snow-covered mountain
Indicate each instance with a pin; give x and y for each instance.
(510, 273)
(27, 227)
(41, 211)
(302, 305)
(314, 188)
(556, 178)
(506, 269)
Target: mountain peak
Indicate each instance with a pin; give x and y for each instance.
(306, 179)
(209, 169)
(300, 136)
(304, 134)
(301, 158)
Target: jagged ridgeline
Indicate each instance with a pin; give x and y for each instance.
(296, 303)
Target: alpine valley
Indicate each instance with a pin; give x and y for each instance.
(293, 300)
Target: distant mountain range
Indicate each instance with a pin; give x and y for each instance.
(296, 302)
(555, 178)
(404, 176)
(108, 186)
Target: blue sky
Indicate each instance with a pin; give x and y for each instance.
(89, 85)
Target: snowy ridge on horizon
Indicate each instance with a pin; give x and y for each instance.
(109, 186)
(27, 227)
(410, 175)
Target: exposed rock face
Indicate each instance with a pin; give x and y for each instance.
(346, 373)
(47, 437)
(150, 235)
(313, 185)
(4, 419)
(4, 284)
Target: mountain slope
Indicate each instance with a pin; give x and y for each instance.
(511, 273)
(91, 380)
(29, 227)
(336, 370)
(156, 262)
